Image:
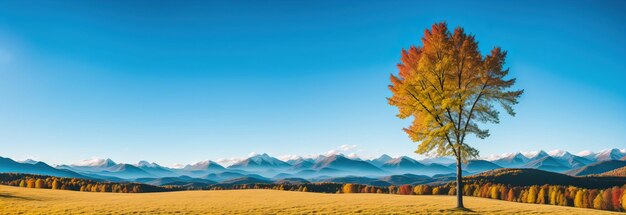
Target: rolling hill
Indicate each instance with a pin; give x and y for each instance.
(292, 181)
(527, 177)
(619, 172)
(246, 180)
(597, 168)
(358, 180)
(407, 179)
(184, 181)
(477, 166)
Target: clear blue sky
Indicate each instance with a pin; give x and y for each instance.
(179, 82)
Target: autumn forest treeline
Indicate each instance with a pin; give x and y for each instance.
(77, 184)
(613, 198)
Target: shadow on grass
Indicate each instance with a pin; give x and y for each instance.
(459, 211)
(9, 196)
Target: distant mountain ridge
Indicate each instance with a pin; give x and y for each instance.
(324, 167)
(40, 168)
(547, 163)
(340, 162)
(259, 162)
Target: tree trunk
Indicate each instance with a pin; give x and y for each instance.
(459, 184)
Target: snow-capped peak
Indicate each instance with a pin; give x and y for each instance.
(609, 154)
(384, 157)
(203, 165)
(585, 153)
(493, 157)
(535, 154)
(557, 153)
(96, 162)
(261, 157)
(353, 156)
(290, 158)
(439, 160)
(147, 164)
(29, 161)
(266, 158)
(400, 159)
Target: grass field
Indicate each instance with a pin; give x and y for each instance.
(15, 200)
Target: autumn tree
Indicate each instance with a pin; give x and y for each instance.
(56, 185)
(585, 203)
(616, 193)
(511, 195)
(597, 202)
(449, 87)
(532, 194)
(30, 183)
(623, 200)
(349, 188)
(503, 192)
(39, 184)
(452, 191)
(436, 191)
(494, 192)
(542, 196)
(578, 201)
(405, 190)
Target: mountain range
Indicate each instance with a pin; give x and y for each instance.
(335, 168)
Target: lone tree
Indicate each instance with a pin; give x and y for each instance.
(449, 87)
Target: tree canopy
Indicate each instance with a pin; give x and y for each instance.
(449, 88)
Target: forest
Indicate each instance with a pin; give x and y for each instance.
(77, 184)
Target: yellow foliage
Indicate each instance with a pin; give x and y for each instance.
(578, 200)
(532, 194)
(495, 194)
(597, 202)
(30, 183)
(447, 86)
(624, 201)
(39, 184)
(436, 191)
(349, 188)
(56, 185)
